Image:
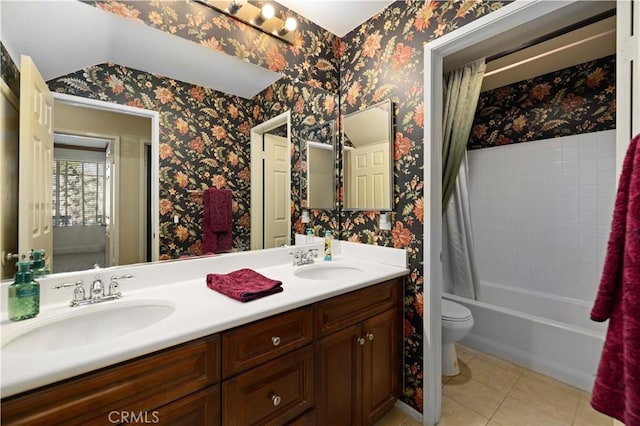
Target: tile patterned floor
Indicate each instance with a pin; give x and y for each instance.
(493, 392)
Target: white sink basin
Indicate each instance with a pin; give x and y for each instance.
(327, 271)
(94, 324)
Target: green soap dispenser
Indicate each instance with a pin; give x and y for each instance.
(24, 294)
(37, 263)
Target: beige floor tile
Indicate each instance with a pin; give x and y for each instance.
(493, 423)
(500, 363)
(464, 353)
(491, 374)
(513, 412)
(456, 414)
(474, 395)
(445, 379)
(411, 422)
(395, 417)
(587, 416)
(547, 395)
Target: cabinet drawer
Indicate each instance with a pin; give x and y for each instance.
(140, 385)
(199, 409)
(273, 393)
(253, 344)
(342, 311)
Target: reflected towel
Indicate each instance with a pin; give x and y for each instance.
(243, 285)
(217, 209)
(217, 221)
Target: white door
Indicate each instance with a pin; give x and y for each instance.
(368, 173)
(36, 162)
(276, 191)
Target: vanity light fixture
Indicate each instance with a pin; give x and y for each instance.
(260, 17)
(235, 6)
(265, 14)
(290, 24)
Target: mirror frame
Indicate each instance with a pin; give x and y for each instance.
(390, 207)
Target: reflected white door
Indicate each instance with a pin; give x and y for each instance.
(368, 174)
(35, 215)
(276, 191)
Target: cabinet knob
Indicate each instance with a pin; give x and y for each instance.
(275, 340)
(276, 400)
(361, 341)
(370, 336)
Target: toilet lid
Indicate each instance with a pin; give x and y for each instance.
(452, 311)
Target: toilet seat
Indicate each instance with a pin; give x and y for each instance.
(454, 312)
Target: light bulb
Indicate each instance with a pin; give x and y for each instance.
(290, 24)
(268, 11)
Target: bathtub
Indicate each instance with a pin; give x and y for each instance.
(549, 334)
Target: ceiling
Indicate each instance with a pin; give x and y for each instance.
(339, 17)
(64, 36)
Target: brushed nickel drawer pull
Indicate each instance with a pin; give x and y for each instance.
(275, 340)
(370, 336)
(276, 400)
(361, 341)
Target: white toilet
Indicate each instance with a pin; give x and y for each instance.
(457, 321)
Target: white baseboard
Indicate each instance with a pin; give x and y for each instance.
(410, 411)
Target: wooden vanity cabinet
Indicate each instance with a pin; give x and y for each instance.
(164, 387)
(336, 362)
(358, 368)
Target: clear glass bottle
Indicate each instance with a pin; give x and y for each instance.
(24, 294)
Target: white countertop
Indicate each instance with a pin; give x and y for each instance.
(199, 311)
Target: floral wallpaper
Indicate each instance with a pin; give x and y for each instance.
(383, 59)
(575, 100)
(312, 58)
(9, 71)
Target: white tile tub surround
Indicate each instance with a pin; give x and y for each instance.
(542, 211)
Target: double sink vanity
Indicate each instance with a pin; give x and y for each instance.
(326, 350)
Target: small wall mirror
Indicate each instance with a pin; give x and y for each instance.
(318, 153)
(367, 158)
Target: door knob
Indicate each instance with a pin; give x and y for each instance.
(370, 336)
(361, 341)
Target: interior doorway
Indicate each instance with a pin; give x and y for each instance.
(271, 183)
(131, 222)
(516, 21)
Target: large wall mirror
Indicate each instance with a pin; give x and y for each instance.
(317, 183)
(368, 158)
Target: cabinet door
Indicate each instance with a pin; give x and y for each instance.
(338, 378)
(381, 370)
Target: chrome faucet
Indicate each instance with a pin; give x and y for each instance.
(304, 257)
(96, 292)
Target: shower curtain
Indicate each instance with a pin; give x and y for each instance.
(462, 90)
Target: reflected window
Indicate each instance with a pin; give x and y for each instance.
(78, 192)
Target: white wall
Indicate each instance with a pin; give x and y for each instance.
(542, 211)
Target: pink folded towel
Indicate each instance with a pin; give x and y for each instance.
(217, 221)
(243, 285)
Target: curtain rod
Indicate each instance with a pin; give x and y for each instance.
(592, 20)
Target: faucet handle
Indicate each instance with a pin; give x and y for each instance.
(78, 291)
(64, 285)
(114, 286)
